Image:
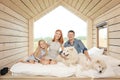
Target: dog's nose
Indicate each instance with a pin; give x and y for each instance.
(100, 71)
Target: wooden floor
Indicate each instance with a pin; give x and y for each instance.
(26, 77)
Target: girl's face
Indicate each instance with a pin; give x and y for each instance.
(57, 35)
(42, 45)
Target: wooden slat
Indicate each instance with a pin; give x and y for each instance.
(107, 15)
(114, 20)
(4, 39)
(114, 49)
(101, 4)
(14, 7)
(84, 5)
(74, 2)
(114, 27)
(42, 4)
(36, 5)
(110, 5)
(91, 6)
(13, 13)
(51, 2)
(114, 42)
(5, 31)
(114, 34)
(10, 18)
(12, 26)
(115, 55)
(9, 53)
(12, 58)
(46, 3)
(8, 46)
(30, 6)
(78, 5)
(70, 2)
(21, 5)
(76, 12)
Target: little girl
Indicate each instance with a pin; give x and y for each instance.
(39, 54)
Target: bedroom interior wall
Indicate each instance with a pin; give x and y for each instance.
(13, 36)
(112, 17)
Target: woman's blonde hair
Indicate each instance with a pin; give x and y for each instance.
(38, 49)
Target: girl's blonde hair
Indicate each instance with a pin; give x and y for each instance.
(38, 49)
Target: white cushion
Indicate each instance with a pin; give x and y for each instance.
(95, 51)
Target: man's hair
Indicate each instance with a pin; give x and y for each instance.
(71, 31)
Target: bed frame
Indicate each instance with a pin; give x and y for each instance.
(26, 77)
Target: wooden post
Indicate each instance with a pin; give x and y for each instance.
(30, 36)
(89, 33)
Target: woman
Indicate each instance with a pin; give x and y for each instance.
(55, 45)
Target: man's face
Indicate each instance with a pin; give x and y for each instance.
(71, 35)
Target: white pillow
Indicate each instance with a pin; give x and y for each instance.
(95, 51)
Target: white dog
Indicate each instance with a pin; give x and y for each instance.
(96, 63)
(69, 56)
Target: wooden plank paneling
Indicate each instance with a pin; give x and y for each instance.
(10, 18)
(115, 49)
(12, 13)
(101, 4)
(74, 2)
(114, 20)
(91, 6)
(13, 26)
(15, 7)
(5, 31)
(114, 42)
(12, 58)
(42, 4)
(78, 5)
(22, 6)
(11, 52)
(108, 6)
(84, 5)
(115, 27)
(30, 6)
(47, 3)
(8, 46)
(114, 34)
(11, 39)
(115, 55)
(36, 5)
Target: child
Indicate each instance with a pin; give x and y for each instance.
(39, 54)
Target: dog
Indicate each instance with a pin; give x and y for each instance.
(69, 56)
(96, 63)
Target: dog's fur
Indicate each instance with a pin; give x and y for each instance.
(69, 56)
(96, 63)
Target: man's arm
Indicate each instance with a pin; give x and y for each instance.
(87, 55)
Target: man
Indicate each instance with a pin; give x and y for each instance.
(78, 45)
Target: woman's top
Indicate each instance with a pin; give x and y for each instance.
(53, 50)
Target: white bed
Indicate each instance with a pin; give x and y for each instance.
(60, 70)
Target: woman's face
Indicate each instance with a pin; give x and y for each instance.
(42, 44)
(57, 35)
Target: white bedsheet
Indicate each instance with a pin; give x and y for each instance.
(60, 70)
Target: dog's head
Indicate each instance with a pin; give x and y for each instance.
(69, 52)
(99, 65)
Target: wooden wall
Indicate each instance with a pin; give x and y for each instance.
(113, 22)
(13, 36)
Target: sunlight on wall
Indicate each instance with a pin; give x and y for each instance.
(59, 18)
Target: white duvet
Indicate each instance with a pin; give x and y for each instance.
(60, 70)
